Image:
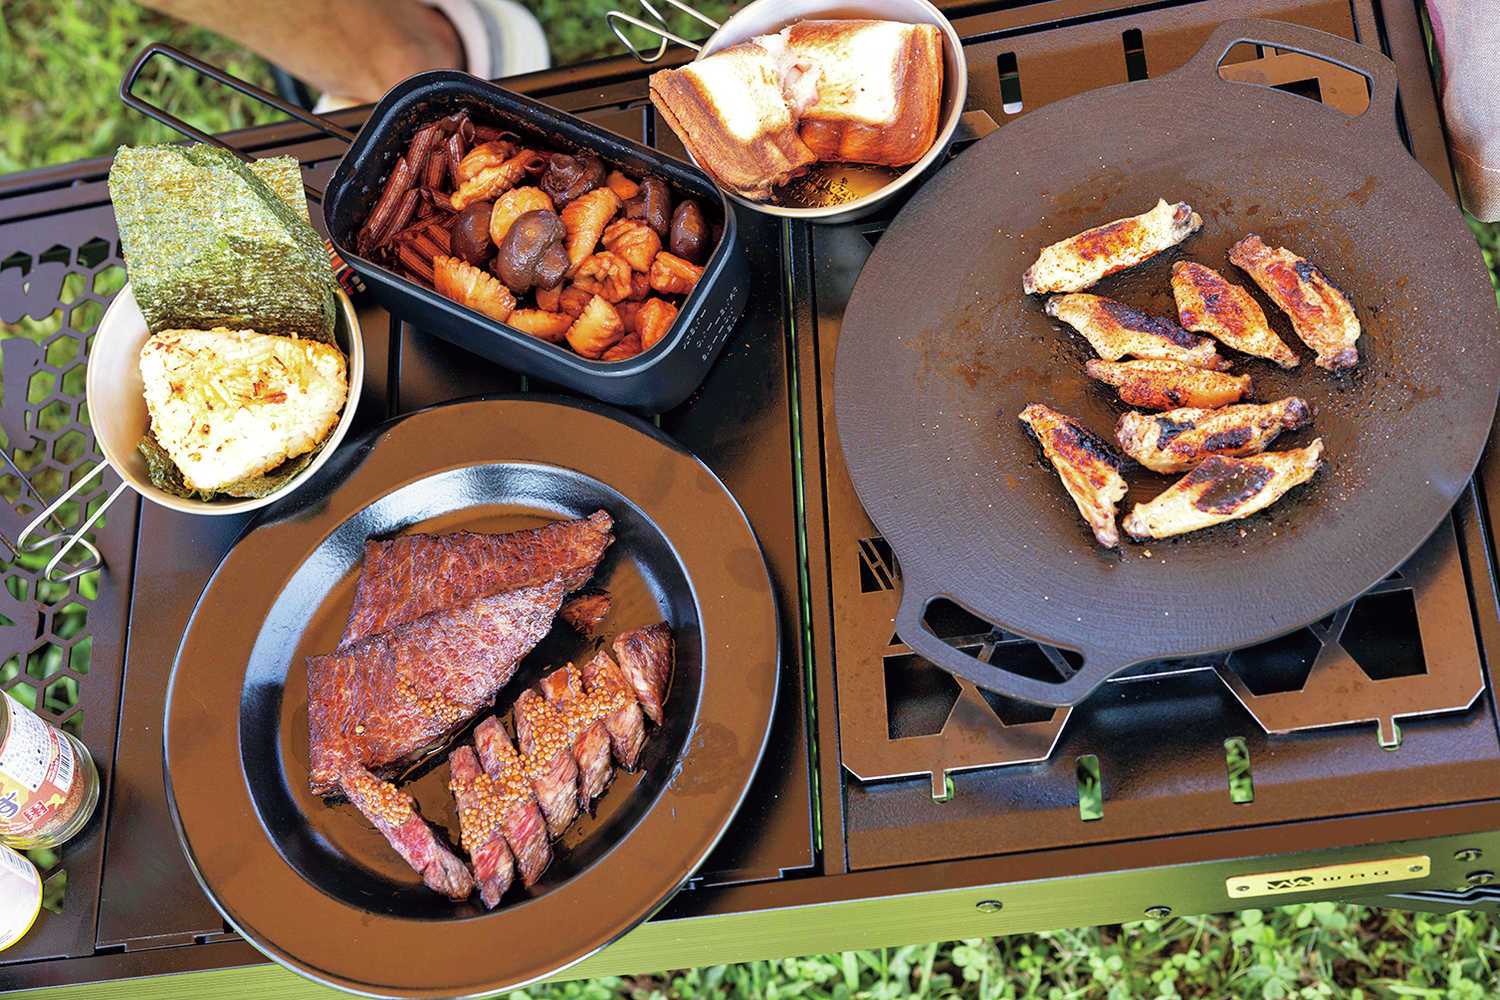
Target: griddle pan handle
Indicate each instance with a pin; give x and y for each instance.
(213, 72)
(1367, 62)
(1098, 664)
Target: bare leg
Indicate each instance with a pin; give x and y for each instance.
(1468, 40)
(357, 49)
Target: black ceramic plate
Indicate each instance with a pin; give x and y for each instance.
(313, 885)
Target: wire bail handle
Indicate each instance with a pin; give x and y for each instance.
(25, 543)
(659, 29)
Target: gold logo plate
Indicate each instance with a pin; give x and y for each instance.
(1359, 873)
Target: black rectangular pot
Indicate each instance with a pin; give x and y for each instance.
(650, 382)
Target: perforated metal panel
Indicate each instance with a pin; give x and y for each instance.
(60, 641)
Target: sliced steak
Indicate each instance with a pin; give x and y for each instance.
(384, 697)
(394, 814)
(410, 576)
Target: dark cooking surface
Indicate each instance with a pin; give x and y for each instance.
(876, 858)
(953, 479)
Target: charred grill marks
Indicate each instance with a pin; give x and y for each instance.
(1225, 485)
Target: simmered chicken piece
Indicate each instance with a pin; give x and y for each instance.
(1157, 384)
(1080, 261)
(1117, 331)
(1321, 314)
(1208, 304)
(1087, 465)
(1223, 489)
(1179, 440)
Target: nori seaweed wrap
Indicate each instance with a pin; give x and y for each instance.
(212, 241)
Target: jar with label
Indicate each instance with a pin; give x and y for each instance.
(20, 896)
(48, 784)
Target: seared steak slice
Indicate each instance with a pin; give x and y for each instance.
(395, 815)
(520, 819)
(479, 823)
(564, 689)
(645, 655)
(627, 726)
(546, 737)
(386, 696)
(409, 576)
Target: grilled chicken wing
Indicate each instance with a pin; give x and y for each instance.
(1087, 465)
(1116, 331)
(1223, 489)
(1079, 261)
(1179, 440)
(1208, 304)
(1321, 314)
(1157, 384)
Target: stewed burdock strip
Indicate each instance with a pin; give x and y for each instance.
(394, 814)
(1158, 384)
(1223, 489)
(409, 576)
(1087, 465)
(1208, 304)
(479, 824)
(645, 658)
(375, 701)
(1321, 314)
(1178, 440)
(1118, 331)
(514, 803)
(627, 725)
(563, 688)
(546, 737)
(1079, 261)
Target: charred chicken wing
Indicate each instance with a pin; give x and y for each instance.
(1156, 384)
(1179, 440)
(1208, 304)
(1223, 489)
(1087, 465)
(1321, 314)
(1080, 261)
(1116, 331)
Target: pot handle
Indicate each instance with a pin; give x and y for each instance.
(1098, 664)
(213, 72)
(1369, 63)
(614, 17)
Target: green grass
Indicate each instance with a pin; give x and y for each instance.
(61, 62)
(60, 65)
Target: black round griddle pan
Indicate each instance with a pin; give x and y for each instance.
(940, 349)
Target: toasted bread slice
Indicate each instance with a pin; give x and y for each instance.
(729, 112)
(865, 91)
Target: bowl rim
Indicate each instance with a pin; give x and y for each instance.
(123, 318)
(733, 32)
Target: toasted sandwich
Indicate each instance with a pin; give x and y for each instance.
(841, 91)
(729, 112)
(864, 91)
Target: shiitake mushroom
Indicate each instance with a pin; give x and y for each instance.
(652, 205)
(469, 238)
(533, 254)
(569, 177)
(690, 237)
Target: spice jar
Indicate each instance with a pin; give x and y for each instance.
(20, 896)
(48, 783)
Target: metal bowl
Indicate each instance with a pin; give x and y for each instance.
(819, 201)
(117, 403)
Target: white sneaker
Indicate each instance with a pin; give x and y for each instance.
(500, 37)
